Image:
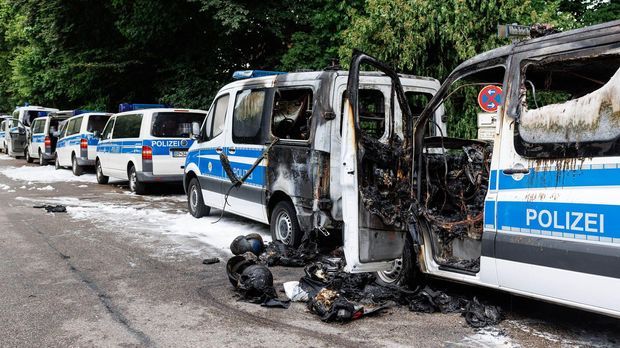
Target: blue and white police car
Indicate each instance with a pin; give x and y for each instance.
(17, 137)
(43, 137)
(146, 143)
(77, 143)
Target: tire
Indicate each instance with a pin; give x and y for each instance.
(28, 158)
(135, 185)
(284, 225)
(405, 272)
(75, 167)
(56, 163)
(195, 202)
(42, 162)
(101, 179)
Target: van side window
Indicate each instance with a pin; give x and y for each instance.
(292, 112)
(569, 107)
(38, 127)
(107, 131)
(127, 126)
(74, 126)
(248, 117)
(372, 112)
(214, 124)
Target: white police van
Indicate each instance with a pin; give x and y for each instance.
(17, 137)
(43, 137)
(146, 144)
(283, 133)
(5, 123)
(535, 212)
(77, 143)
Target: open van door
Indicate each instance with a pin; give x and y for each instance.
(376, 172)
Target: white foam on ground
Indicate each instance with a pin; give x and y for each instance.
(180, 227)
(45, 174)
(4, 187)
(486, 338)
(46, 188)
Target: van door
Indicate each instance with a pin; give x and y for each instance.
(126, 145)
(104, 147)
(37, 137)
(374, 176)
(245, 144)
(211, 174)
(558, 214)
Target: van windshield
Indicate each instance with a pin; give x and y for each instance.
(175, 124)
(96, 123)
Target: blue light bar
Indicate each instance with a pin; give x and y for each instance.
(133, 107)
(81, 112)
(248, 74)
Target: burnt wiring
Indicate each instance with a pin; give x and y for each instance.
(236, 182)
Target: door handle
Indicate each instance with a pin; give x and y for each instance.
(218, 149)
(517, 169)
(232, 150)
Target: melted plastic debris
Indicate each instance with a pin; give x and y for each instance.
(52, 208)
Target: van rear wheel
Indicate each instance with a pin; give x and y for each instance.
(284, 225)
(75, 167)
(42, 161)
(56, 163)
(134, 183)
(28, 158)
(195, 202)
(101, 179)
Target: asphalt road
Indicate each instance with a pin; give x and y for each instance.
(96, 277)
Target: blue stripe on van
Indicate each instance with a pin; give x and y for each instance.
(583, 177)
(214, 168)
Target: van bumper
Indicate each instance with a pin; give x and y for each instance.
(150, 177)
(83, 162)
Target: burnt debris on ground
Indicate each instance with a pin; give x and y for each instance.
(52, 208)
(331, 293)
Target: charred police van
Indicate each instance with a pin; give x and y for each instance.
(77, 143)
(146, 144)
(270, 148)
(43, 137)
(535, 211)
(17, 137)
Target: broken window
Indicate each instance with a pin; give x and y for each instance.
(248, 117)
(292, 114)
(569, 107)
(371, 112)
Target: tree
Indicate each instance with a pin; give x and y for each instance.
(431, 37)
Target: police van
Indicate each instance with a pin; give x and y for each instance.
(5, 122)
(534, 211)
(77, 143)
(17, 137)
(43, 137)
(270, 146)
(146, 144)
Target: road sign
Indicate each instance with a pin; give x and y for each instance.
(490, 98)
(513, 31)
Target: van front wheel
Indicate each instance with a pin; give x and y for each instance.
(195, 202)
(101, 179)
(28, 158)
(404, 271)
(284, 225)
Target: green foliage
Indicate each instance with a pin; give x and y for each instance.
(431, 37)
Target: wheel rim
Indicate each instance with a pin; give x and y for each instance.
(132, 181)
(40, 158)
(193, 199)
(284, 228)
(392, 275)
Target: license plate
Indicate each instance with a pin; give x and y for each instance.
(179, 153)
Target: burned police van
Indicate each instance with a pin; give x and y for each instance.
(270, 147)
(535, 211)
